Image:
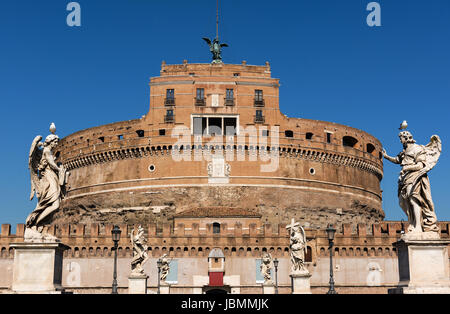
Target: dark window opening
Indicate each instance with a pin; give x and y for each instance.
(265, 133)
(370, 148)
(215, 126)
(289, 133)
(349, 141)
(140, 133)
(162, 132)
(230, 126)
(328, 137)
(102, 139)
(259, 113)
(309, 136)
(216, 228)
(120, 137)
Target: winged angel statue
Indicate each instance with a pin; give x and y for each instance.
(47, 180)
(266, 266)
(413, 183)
(215, 47)
(140, 255)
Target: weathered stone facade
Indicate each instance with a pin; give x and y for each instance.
(126, 172)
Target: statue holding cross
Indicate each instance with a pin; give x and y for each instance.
(297, 246)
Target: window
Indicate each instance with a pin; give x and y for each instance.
(214, 126)
(162, 132)
(216, 228)
(258, 95)
(102, 139)
(265, 133)
(120, 137)
(200, 93)
(328, 137)
(230, 126)
(370, 148)
(309, 136)
(200, 125)
(230, 94)
(169, 112)
(349, 141)
(259, 113)
(289, 133)
(140, 133)
(170, 93)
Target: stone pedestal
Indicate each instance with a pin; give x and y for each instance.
(38, 267)
(423, 264)
(268, 288)
(301, 282)
(164, 288)
(137, 284)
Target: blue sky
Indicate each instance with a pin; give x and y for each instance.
(332, 67)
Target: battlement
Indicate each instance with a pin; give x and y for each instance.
(95, 240)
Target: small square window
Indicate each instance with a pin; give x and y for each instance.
(162, 132)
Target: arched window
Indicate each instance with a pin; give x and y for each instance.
(349, 141)
(216, 228)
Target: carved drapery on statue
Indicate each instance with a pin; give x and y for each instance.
(47, 181)
(297, 247)
(266, 267)
(413, 184)
(140, 254)
(165, 267)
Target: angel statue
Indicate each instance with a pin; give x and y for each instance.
(215, 47)
(165, 267)
(297, 246)
(140, 255)
(47, 182)
(413, 184)
(266, 267)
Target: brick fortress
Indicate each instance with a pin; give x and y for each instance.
(215, 164)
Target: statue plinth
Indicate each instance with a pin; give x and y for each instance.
(268, 288)
(301, 282)
(423, 264)
(137, 283)
(164, 288)
(38, 267)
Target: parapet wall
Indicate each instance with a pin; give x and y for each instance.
(95, 240)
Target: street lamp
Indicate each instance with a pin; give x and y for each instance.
(159, 264)
(275, 264)
(330, 233)
(115, 237)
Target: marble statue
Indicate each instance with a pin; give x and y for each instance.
(140, 255)
(165, 267)
(413, 184)
(266, 267)
(47, 182)
(297, 247)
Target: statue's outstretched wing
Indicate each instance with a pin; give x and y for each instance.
(208, 41)
(34, 159)
(223, 45)
(433, 152)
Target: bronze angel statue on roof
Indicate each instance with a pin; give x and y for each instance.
(413, 183)
(216, 48)
(47, 179)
